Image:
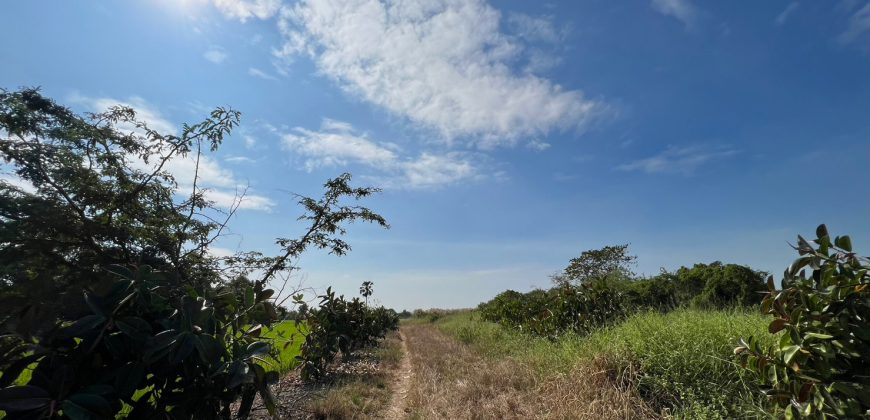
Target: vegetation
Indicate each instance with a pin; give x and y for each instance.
(603, 293)
(819, 367)
(112, 297)
(341, 326)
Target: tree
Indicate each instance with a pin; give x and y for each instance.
(106, 279)
(366, 290)
(597, 264)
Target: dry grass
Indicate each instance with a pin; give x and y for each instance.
(453, 381)
(361, 393)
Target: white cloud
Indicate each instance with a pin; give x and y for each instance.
(682, 160)
(246, 9)
(429, 171)
(783, 17)
(534, 28)
(211, 175)
(538, 145)
(337, 143)
(859, 24)
(250, 142)
(253, 71)
(682, 10)
(215, 54)
(443, 64)
(239, 159)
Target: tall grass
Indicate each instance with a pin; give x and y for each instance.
(681, 362)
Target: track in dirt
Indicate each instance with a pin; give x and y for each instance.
(396, 408)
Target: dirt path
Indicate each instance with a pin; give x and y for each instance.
(401, 384)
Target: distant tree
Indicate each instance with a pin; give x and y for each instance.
(597, 264)
(366, 290)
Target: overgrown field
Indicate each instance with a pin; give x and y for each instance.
(681, 363)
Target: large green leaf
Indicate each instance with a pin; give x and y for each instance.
(23, 398)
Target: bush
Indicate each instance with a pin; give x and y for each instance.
(819, 367)
(340, 326)
(604, 300)
(110, 294)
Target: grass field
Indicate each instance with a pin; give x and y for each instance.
(681, 363)
(287, 338)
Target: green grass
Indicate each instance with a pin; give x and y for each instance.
(287, 338)
(683, 360)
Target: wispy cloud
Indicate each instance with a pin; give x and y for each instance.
(338, 144)
(535, 28)
(538, 145)
(253, 71)
(682, 10)
(215, 54)
(247, 9)
(859, 25)
(443, 64)
(783, 17)
(221, 183)
(681, 160)
(239, 159)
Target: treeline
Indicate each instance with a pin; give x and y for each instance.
(598, 289)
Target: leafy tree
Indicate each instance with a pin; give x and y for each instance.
(597, 264)
(106, 280)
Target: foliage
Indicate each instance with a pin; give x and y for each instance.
(596, 264)
(819, 367)
(718, 285)
(599, 302)
(340, 326)
(679, 361)
(110, 292)
(365, 290)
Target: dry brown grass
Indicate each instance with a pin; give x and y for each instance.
(361, 393)
(452, 381)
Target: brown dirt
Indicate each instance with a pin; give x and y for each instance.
(400, 385)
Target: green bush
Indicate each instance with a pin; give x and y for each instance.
(340, 326)
(111, 298)
(819, 367)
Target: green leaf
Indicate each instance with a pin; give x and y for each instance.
(82, 406)
(844, 242)
(249, 296)
(80, 327)
(789, 353)
(121, 271)
(821, 231)
(134, 327)
(23, 398)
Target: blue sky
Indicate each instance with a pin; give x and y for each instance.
(508, 136)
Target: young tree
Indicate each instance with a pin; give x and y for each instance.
(106, 279)
(597, 264)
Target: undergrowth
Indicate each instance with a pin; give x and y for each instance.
(681, 362)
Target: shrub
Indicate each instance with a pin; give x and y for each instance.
(819, 367)
(340, 326)
(110, 294)
(718, 285)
